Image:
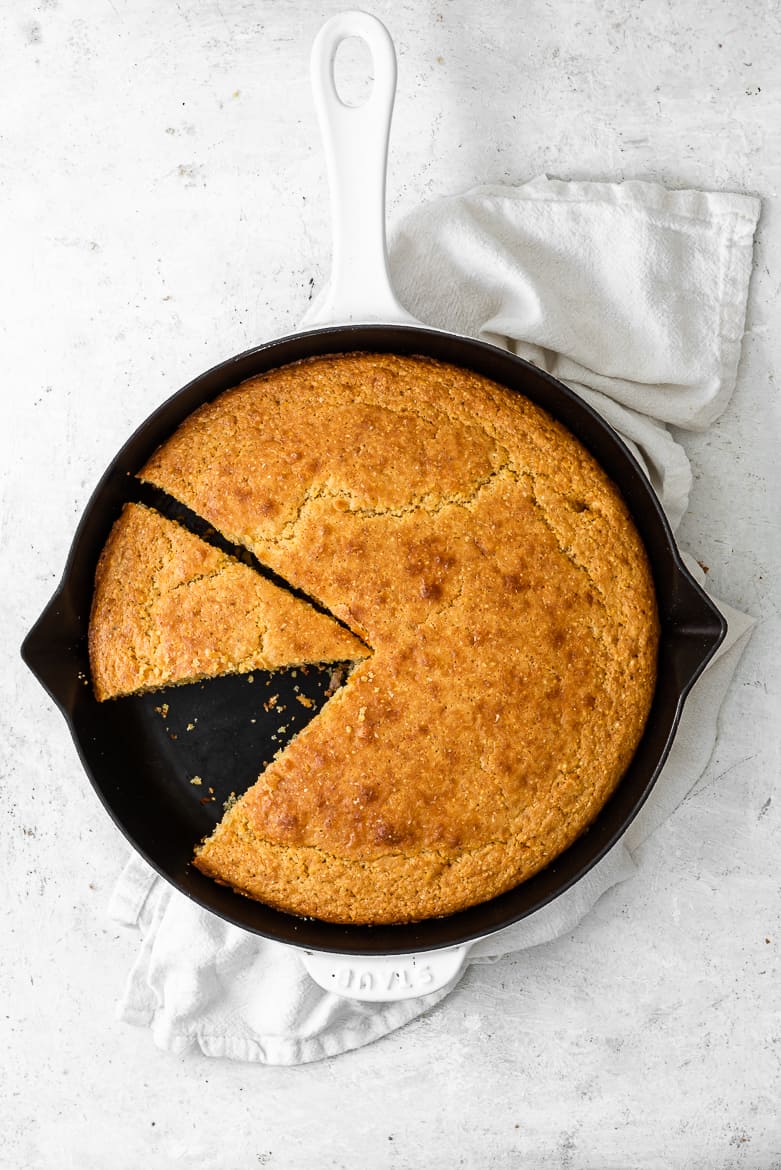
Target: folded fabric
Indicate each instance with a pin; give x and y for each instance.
(632, 294)
(636, 297)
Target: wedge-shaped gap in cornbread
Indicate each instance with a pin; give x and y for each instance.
(154, 497)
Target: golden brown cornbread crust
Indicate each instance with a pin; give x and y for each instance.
(497, 575)
(170, 609)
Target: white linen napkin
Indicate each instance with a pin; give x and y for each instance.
(635, 296)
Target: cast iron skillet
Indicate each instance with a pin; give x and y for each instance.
(139, 753)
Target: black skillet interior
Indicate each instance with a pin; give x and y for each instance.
(143, 754)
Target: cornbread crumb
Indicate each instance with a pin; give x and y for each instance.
(335, 682)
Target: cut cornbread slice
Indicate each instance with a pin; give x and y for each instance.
(169, 608)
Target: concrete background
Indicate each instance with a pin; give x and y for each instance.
(164, 206)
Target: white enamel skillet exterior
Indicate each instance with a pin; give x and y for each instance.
(128, 762)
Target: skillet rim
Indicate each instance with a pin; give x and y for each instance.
(698, 621)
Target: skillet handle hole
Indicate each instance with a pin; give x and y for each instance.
(353, 72)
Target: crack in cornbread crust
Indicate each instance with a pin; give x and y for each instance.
(170, 609)
(496, 573)
(430, 504)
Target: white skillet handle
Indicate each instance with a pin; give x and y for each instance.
(380, 978)
(355, 139)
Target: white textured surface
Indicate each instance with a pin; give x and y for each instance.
(164, 206)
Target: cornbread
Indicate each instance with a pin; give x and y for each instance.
(495, 572)
(169, 609)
